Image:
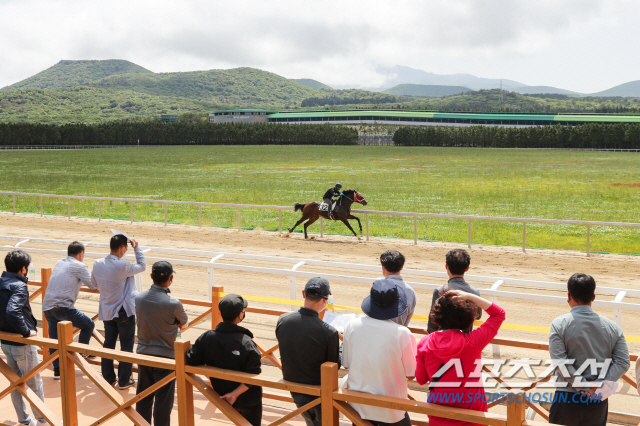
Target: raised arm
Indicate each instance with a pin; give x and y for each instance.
(140, 265)
(482, 335)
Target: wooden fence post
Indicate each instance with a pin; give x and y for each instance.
(516, 409)
(328, 384)
(183, 386)
(216, 295)
(67, 375)
(45, 276)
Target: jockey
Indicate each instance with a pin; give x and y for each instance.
(328, 196)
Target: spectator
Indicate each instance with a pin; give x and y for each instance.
(392, 262)
(16, 317)
(306, 342)
(68, 276)
(160, 317)
(231, 347)
(457, 263)
(384, 367)
(115, 280)
(583, 335)
(455, 311)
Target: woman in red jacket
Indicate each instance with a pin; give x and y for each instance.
(459, 384)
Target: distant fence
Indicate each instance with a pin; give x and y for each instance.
(375, 139)
(414, 215)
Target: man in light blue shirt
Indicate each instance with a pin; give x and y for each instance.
(115, 280)
(392, 262)
(68, 276)
(579, 339)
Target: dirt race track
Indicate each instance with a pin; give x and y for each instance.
(191, 282)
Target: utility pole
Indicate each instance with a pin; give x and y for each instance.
(500, 90)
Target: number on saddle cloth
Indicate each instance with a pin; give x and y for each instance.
(324, 207)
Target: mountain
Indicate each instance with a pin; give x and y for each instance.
(405, 75)
(630, 89)
(235, 86)
(527, 90)
(314, 84)
(68, 73)
(428, 91)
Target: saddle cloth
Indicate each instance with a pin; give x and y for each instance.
(324, 207)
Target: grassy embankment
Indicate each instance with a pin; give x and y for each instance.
(492, 182)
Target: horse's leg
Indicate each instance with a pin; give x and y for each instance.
(309, 222)
(302, 219)
(346, 222)
(356, 218)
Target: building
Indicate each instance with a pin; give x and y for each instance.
(240, 116)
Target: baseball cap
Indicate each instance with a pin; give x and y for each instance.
(231, 305)
(161, 270)
(385, 301)
(318, 287)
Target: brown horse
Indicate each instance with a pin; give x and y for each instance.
(341, 212)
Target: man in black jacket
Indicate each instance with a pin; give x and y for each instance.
(328, 196)
(16, 317)
(231, 347)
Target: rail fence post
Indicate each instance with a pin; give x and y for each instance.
(41, 209)
(469, 240)
(321, 227)
(280, 220)
(200, 214)
(366, 218)
(45, 276)
(524, 237)
(99, 210)
(14, 204)
(588, 240)
(211, 281)
(165, 214)
(617, 313)
(183, 386)
(415, 230)
(67, 375)
(328, 384)
(216, 295)
(239, 219)
(131, 211)
(516, 409)
(69, 208)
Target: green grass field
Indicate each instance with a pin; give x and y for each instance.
(493, 182)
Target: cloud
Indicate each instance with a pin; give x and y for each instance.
(336, 42)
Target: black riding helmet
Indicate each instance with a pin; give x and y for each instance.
(338, 185)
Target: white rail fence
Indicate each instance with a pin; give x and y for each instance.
(213, 263)
(415, 215)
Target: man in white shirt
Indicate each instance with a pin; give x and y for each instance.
(68, 276)
(379, 353)
(114, 278)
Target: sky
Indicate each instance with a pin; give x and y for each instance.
(580, 45)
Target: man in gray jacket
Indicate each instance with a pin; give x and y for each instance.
(160, 317)
(457, 263)
(589, 349)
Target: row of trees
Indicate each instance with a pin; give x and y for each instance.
(191, 133)
(587, 136)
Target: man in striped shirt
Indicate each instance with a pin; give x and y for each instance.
(67, 277)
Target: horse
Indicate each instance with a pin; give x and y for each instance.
(341, 212)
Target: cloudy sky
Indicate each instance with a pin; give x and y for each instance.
(580, 45)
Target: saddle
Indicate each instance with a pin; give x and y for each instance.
(324, 207)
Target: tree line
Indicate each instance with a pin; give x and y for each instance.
(586, 136)
(191, 133)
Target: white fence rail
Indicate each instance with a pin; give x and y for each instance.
(211, 265)
(415, 215)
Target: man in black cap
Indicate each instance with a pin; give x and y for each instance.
(306, 342)
(160, 316)
(231, 347)
(384, 367)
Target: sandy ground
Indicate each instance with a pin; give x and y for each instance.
(191, 282)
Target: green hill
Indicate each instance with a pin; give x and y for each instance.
(240, 86)
(426, 90)
(69, 73)
(314, 84)
(630, 89)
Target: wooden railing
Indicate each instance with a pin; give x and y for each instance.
(190, 375)
(331, 399)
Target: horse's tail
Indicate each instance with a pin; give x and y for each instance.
(298, 206)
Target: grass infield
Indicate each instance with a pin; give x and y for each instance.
(580, 185)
